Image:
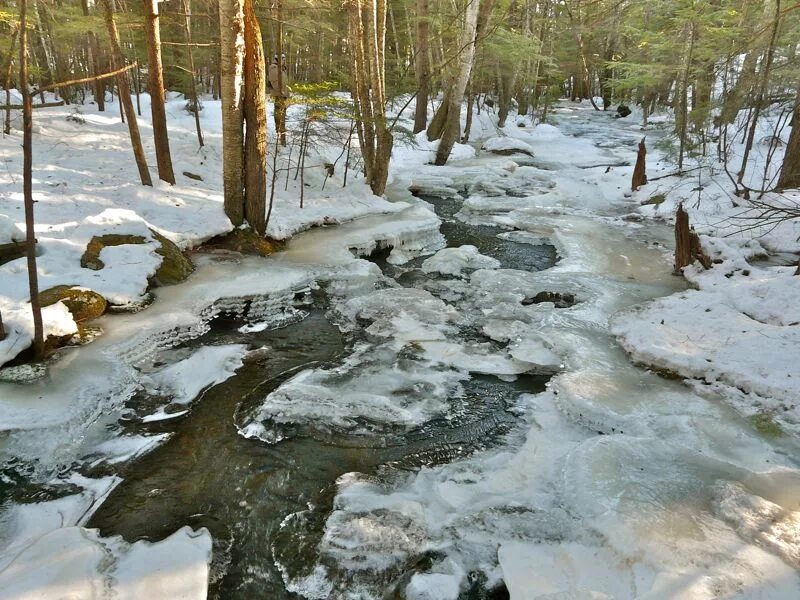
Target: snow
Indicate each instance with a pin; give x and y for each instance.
(507, 145)
(85, 184)
(452, 261)
(613, 482)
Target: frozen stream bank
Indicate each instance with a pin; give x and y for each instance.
(372, 432)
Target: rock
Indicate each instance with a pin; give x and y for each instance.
(244, 241)
(623, 111)
(175, 267)
(28, 373)
(91, 257)
(559, 299)
(84, 304)
(11, 251)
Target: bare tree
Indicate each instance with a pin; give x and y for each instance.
(422, 66)
(231, 25)
(255, 116)
(790, 171)
(117, 62)
(156, 84)
(27, 181)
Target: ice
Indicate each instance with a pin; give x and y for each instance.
(453, 261)
(73, 562)
(507, 145)
(183, 381)
(433, 586)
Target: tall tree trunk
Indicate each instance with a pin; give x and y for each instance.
(761, 92)
(452, 106)
(7, 83)
(118, 61)
(790, 171)
(255, 116)
(231, 25)
(187, 30)
(156, 88)
(27, 181)
(97, 68)
(422, 65)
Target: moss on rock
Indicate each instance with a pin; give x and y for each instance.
(82, 303)
(766, 425)
(175, 266)
(245, 241)
(91, 256)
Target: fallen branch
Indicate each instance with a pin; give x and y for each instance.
(63, 84)
(43, 105)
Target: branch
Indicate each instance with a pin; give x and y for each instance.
(62, 84)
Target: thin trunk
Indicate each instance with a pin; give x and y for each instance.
(760, 96)
(118, 61)
(231, 20)
(97, 69)
(155, 73)
(187, 10)
(255, 116)
(7, 83)
(467, 41)
(682, 113)
(422, 65)
(790, 171)
(27, 182)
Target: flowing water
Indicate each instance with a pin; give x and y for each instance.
(242, 490)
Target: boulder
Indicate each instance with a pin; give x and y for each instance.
(175, 266)
(91, 256)
(84, 304)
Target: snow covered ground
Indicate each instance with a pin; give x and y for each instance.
(615, 482)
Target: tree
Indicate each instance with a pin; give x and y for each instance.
(422, 67)
(155, 74)
(27, 182)
(445, 125)
(255, 116)
(231, 30)
(117, 62)
(790, 171)
(367, 21)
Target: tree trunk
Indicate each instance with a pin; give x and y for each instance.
(231, 22)
(118, 61)
(761, 92)
(255, 116)
(157, 92)
(790, 171)
(7, 83)
(422, 66)
(97, 69)
(687, 243)
(187, 29)
(27, 181)
(451, 129)
(639, 171)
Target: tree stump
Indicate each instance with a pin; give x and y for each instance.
(687, 243)
(639, 176)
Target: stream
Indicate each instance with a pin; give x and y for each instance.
(264, 475)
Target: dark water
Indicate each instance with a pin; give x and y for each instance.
(207, 475)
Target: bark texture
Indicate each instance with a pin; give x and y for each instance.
(117, 62)
(255, 116)
(790, 171)
(422, 68)
(155, 76)
(687, 243)
(27, 182)
(231, 19)
(639, 171)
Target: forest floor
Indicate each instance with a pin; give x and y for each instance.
(437, 478)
